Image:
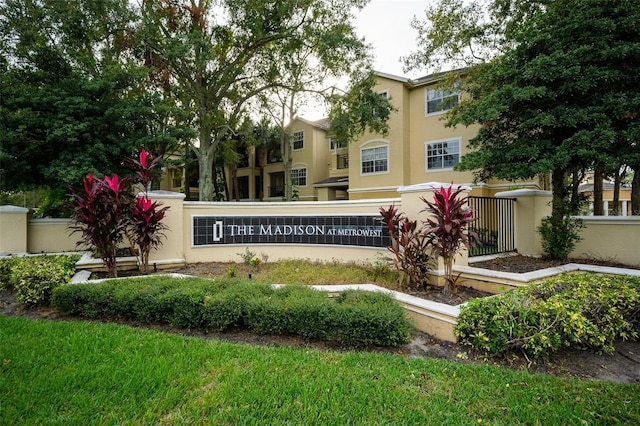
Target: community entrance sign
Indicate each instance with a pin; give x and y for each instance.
(356, 230)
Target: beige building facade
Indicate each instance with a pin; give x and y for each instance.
(418, 148)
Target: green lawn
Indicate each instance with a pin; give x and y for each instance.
(82, 373)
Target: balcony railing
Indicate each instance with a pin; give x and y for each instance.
(343, 161)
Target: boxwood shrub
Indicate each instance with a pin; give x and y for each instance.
(352, 318)
(587, 311)
(34, 277)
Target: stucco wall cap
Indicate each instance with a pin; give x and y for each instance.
(431, 186)
(13, 209)
(523, 193)
(165, 194)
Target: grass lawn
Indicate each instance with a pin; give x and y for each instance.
(79, 372)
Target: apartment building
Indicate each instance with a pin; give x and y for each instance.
(418, 148)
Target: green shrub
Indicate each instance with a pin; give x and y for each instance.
(6, 265)
(580, 310)
(353, 318)
(35, 277)
(228, 307)
(87, 300)
(181, 306)
(371, 319)
(559, 236)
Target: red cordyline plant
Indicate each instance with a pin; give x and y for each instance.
(409, 247)
(105, 210)
(100, 211)
(145, 168)
(447, 228)
(146, 229)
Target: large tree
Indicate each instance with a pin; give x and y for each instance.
(216, 56)
(560, 91)
(70, 95)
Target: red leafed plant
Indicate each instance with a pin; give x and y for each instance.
(105, 210)
(409, 247)
(446, 229)
(100, 211)
(146, 227)
(145, 168)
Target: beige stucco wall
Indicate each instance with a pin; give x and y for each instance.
(172, 249)
(13, 229)
(52, 236)
(613, 238)
(379, 185)
(531, 206)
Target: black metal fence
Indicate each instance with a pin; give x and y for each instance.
(494, 225)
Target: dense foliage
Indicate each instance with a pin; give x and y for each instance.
(352, 318)
(586, 311)
(35, 277)
(72, 98)
(553, 85)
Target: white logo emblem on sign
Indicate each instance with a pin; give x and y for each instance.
(217, 231)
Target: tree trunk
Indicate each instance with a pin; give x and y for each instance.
(206, 181)
(635, 191)
(616, 192)
(575, 202)
(559, 194)
(598, 204)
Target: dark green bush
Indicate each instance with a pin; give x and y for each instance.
(35, 277)
(372, 319)
(228, 307)
(182, 306)
(587, 311)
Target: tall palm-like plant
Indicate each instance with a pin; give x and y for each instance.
(105, 210)
(99, 212)
(447, 229)
(411, 256)
(145, 225)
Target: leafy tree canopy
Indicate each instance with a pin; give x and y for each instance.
(560, 90)
(215, 57)
(71, 100)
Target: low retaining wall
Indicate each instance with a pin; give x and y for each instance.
(607, 237)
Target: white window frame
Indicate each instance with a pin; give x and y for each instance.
(457, 141)
(439, 95)
(380, 146)
(294, 139)
(334, 145)
(296, 175)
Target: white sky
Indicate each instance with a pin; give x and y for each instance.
(386, 25)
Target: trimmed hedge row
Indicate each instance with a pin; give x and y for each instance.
(587, 311)
(353, 318)
(35, 277)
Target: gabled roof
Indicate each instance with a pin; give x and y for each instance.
(322, 123)
(427, 79)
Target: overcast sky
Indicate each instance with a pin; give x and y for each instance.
(386, 25)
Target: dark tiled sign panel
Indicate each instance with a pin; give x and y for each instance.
(361, 231)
